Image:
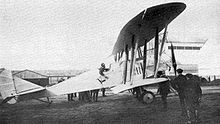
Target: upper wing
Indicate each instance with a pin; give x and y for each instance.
(145, 23)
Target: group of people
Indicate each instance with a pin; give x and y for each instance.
(86, 96)
(189, 91)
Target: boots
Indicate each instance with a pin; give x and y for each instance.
(188, 117)
(197, 116)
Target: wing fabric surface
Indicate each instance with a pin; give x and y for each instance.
(137, 83)
(115, 75)
(25, 87)
(83, 82)
(143, 26)
(27, 90)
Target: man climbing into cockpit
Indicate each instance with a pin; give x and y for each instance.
(103, 69)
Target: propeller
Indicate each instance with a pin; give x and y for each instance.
(173, 59)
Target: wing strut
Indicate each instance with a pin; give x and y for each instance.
(14, 85)
(120, 54)
(132, 56)
(139, 52)
(161, 48)
(134, 60)
(115, 57)
(141, 57)
(126, 64)
(156, 51)
(145, 59)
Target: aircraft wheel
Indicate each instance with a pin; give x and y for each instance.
(148, 97)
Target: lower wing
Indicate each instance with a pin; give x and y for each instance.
(137, 83)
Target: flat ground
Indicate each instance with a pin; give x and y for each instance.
(121, 108)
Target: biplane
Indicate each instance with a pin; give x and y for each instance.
(129, 69)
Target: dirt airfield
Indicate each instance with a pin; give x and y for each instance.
(120, 109)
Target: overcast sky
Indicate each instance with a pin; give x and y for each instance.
(76, 34)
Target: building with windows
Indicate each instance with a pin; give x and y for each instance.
(46, 77)
(32, 76)
(186, 54)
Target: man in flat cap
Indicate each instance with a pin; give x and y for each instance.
(179, 84)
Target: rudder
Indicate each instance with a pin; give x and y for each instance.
(7, 88)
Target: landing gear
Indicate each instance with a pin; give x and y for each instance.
(143, 95)
(147, 97)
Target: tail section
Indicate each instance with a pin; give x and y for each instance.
(15, 89)
(7, 87)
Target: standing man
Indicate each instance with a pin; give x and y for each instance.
(102, 69)
(179, 84)
(193, 94)
(94, 94)
(164, 89)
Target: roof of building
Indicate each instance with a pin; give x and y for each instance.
(46, 73)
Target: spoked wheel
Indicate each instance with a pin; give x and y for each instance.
(147, 97)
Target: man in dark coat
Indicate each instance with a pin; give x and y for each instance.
(164, 89)
(178, 84)
(193, 94)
